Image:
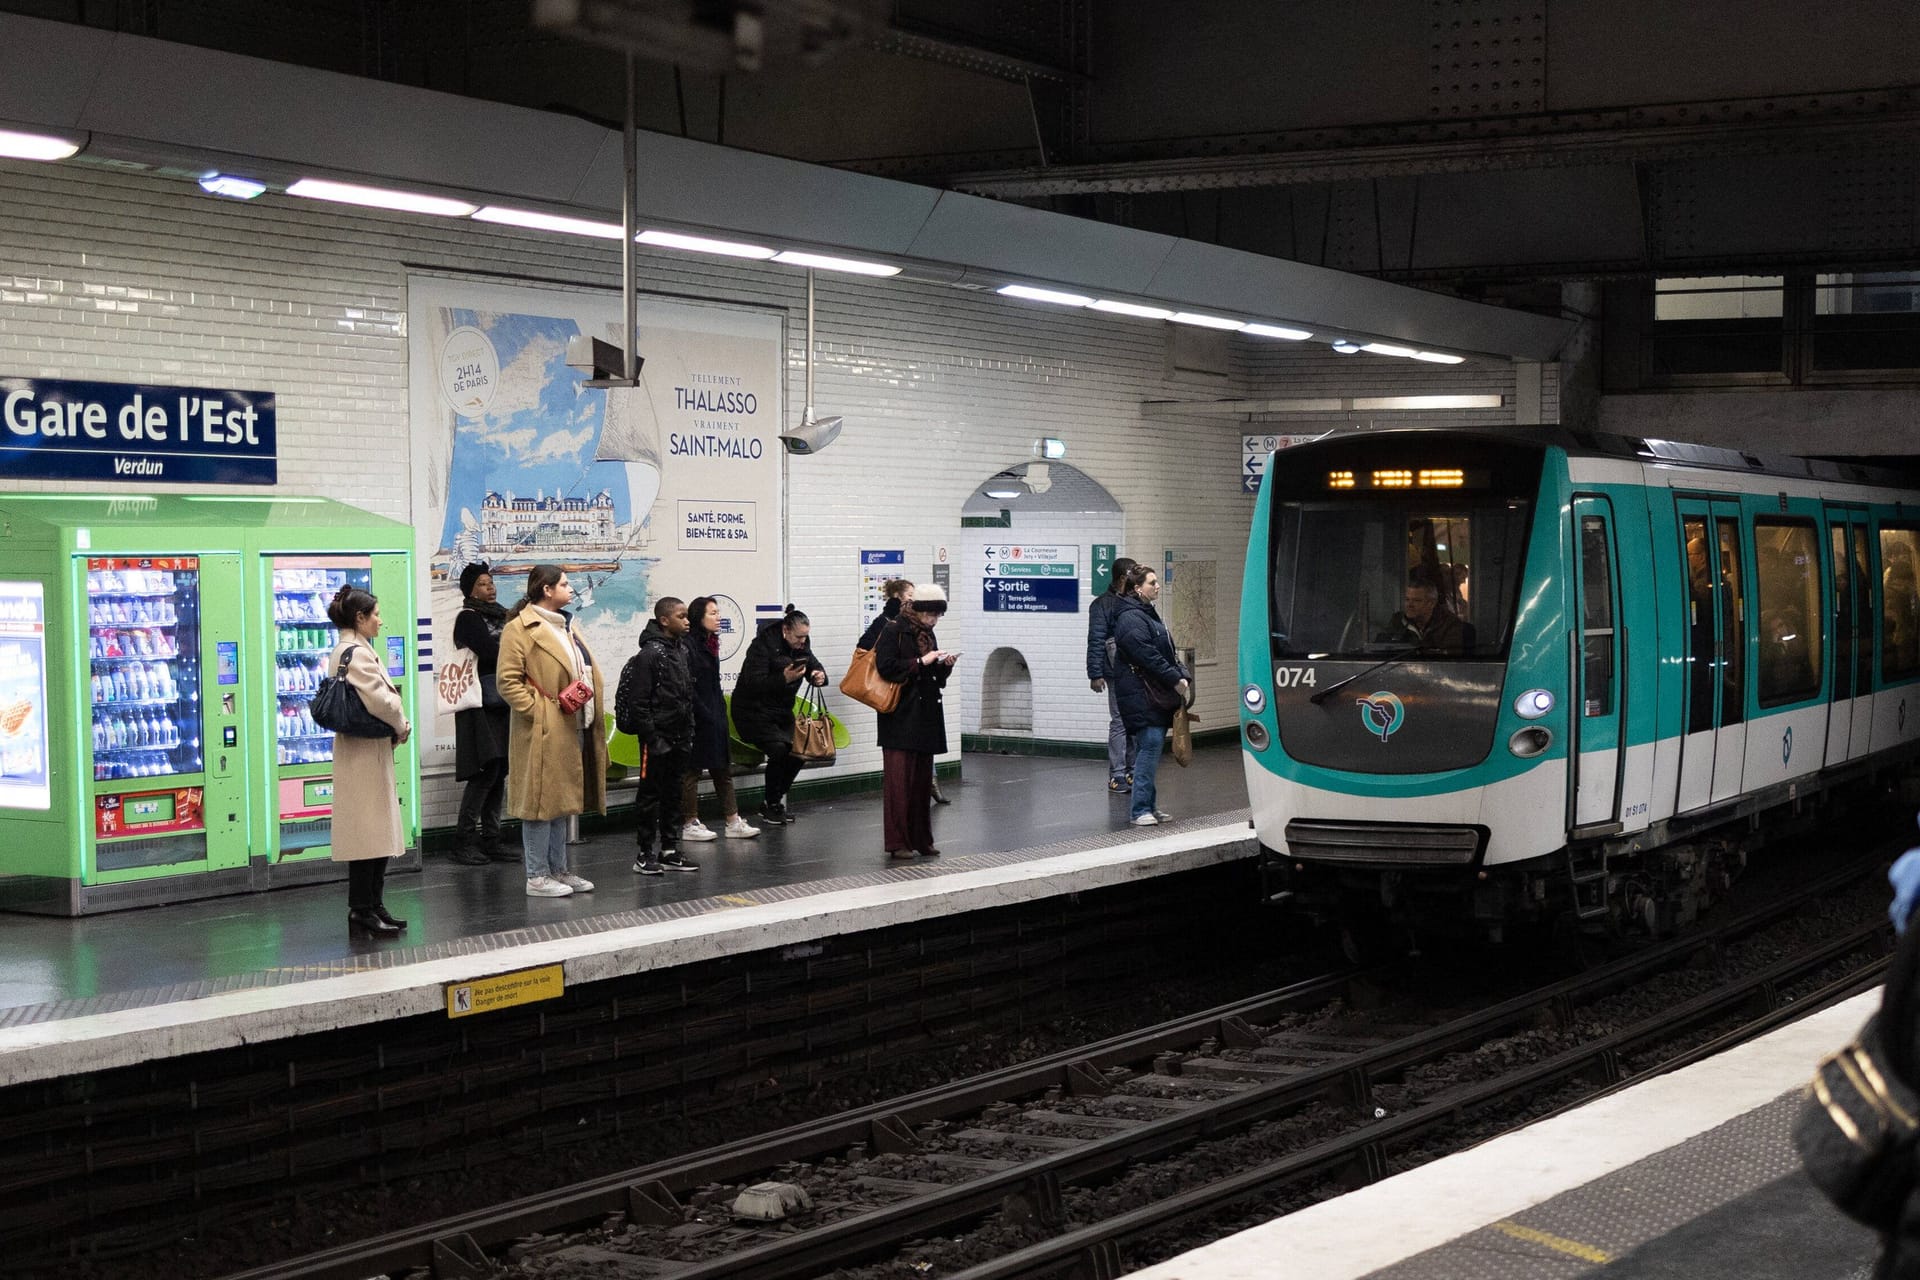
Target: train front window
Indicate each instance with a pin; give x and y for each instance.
(1371, 559)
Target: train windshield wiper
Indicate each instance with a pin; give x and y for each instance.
(1387, 661)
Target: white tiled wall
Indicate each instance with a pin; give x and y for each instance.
(125, 277)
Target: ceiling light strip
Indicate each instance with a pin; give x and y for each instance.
(380, 198)
(533, 220)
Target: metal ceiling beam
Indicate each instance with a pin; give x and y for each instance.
(1647, 135)
(910, 43)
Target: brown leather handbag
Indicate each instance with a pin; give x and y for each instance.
(863, 684)
(812, 731)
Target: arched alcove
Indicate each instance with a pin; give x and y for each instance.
(1006, 693)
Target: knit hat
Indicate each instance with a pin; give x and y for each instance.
(470, 575)
(927, 595)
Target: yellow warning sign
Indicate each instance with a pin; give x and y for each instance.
(504, 990)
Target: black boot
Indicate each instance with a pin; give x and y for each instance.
(466, 844)
(366, 922)
(387, 916)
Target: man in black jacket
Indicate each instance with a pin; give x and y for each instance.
(655, 705)
(1120, 747)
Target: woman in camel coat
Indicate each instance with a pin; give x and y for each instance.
(556, 761)
(367, 830)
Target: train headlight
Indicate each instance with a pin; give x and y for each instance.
(1530, 741)
(1533, 704)
(1254, 699)
(1257, 735)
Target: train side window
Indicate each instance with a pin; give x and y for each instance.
(1700, 668)
(1786, 561)
(1596, 621)
(1899, 601)
(1733, 621)
(1862, 611)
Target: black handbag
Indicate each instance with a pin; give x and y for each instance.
(337, 707)
(1856, 1130)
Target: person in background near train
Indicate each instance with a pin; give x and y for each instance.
(366, 808)
(556, 759)
(1143, 651)
(1120, 745)
(898, 593)
(654, 703)
(909, 654)
(480, 734)
(709, 730)
(777, 660)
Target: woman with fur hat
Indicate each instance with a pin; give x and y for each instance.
(480, 735)
(908, 653)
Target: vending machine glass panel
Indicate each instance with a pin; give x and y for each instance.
(23, 697)
(303, 586)
(143, 617)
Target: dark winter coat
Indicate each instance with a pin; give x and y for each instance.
(480, 735)
(709, 706)
(763, 696)
(655, 700)
(886, 615)
(1099, 627)
(1144, 650)
(918, 722)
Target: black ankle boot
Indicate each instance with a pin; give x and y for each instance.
(366, 922)
(384, 914)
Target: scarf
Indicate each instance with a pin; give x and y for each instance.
(711, 640)
(922, 631)
(492, 612)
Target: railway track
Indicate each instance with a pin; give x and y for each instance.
(1343, 1089)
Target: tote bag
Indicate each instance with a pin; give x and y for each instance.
(812, 730)
(863, 684)
(1180, 738)
(457, 682)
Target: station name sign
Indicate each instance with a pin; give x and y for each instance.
(61, 430)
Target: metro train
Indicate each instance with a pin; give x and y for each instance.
(1501, 680)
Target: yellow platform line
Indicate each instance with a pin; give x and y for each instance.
(1559, 1244)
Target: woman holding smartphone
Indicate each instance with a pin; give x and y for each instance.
(908, 653)
(366, 808)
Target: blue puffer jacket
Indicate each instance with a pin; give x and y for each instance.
(1144, 651)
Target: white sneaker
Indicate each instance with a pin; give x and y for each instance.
(1145, 820)
(547, 887)
(737, 829)
(579, 884)
(698, 832)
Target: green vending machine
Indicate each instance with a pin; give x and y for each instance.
(141, 706)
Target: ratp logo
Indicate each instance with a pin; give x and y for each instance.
(1383, 713)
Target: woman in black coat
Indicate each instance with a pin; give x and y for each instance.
(709, 730)
(777, 660)
(915, 731)
(899, 593)
(1143, 651)
(480, 735)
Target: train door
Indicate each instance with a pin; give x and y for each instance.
(1714, 742)
(1850, 715)
(1597, 749)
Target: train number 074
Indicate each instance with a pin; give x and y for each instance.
(1292, 677)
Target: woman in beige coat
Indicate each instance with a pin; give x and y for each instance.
(556, 760)
(366, 807)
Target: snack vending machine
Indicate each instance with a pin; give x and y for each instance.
(144, 715)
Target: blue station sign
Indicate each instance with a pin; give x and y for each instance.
(55, 429)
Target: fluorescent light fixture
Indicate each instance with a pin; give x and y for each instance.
(1132, 309)
(1438, 357)
(701, 244)
(1387, 349)
(1345, 346)
(1003, 493)
(380, 198)
(15, 145)
(1206, 321)
(824, 262)
(1054, 296)
(548, 222)
(225, 184)
(1276, 331)
(1428, 402)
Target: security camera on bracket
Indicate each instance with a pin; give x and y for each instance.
(604, 364)
(813, 434)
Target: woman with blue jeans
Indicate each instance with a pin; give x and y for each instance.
(556, 758)
(1143, 653)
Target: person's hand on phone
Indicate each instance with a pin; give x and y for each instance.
(795, 670)
(950, 657)
(819, 679)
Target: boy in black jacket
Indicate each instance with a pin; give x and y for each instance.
(655, 705)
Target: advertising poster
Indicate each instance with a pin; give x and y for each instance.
(670, 488)
(23, 697)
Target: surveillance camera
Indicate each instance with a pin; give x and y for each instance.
(602, 362)
(812, 436)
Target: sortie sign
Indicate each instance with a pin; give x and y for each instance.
(56, 429)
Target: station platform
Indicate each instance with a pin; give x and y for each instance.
(98, 992)
(1690, 1174)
